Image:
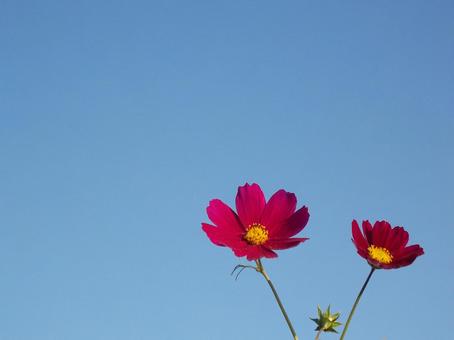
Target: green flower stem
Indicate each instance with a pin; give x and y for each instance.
(261, 270)
(356, 303)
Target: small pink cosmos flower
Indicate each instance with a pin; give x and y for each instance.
(384, 247)
(258, 227)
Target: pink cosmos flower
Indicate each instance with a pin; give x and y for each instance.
(384, 247)
(258, 227)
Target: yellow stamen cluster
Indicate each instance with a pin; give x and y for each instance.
(380, 254)
(256, 234)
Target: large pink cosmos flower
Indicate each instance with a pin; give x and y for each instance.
(384, 247)
(259, 227)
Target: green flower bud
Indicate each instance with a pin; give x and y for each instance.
(326, 322)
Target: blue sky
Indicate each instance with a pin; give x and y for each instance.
(120, 120)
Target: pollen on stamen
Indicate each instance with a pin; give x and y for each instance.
(380, 254)
(256, 234)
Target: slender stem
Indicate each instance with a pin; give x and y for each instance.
(356, 303)
(261, 270)
(317, 336)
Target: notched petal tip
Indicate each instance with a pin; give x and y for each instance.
(293, 225)
(213, 234)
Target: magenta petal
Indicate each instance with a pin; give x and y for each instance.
(250, 202)
(380, 233)
(253, 253)
(293, 225)
(240, 251)
(214, 235)
(222, 237)
(367, 231)
(404, 237)
(257, 252)
(407, 256)
(223, 216)
(284, 244)
(398, 239)
(358, 237)
(413, 250)
(278, 209)
(268, 253)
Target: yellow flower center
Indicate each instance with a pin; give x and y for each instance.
(380, 254)
(256, 234)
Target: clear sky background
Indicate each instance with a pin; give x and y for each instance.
(120, 120)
